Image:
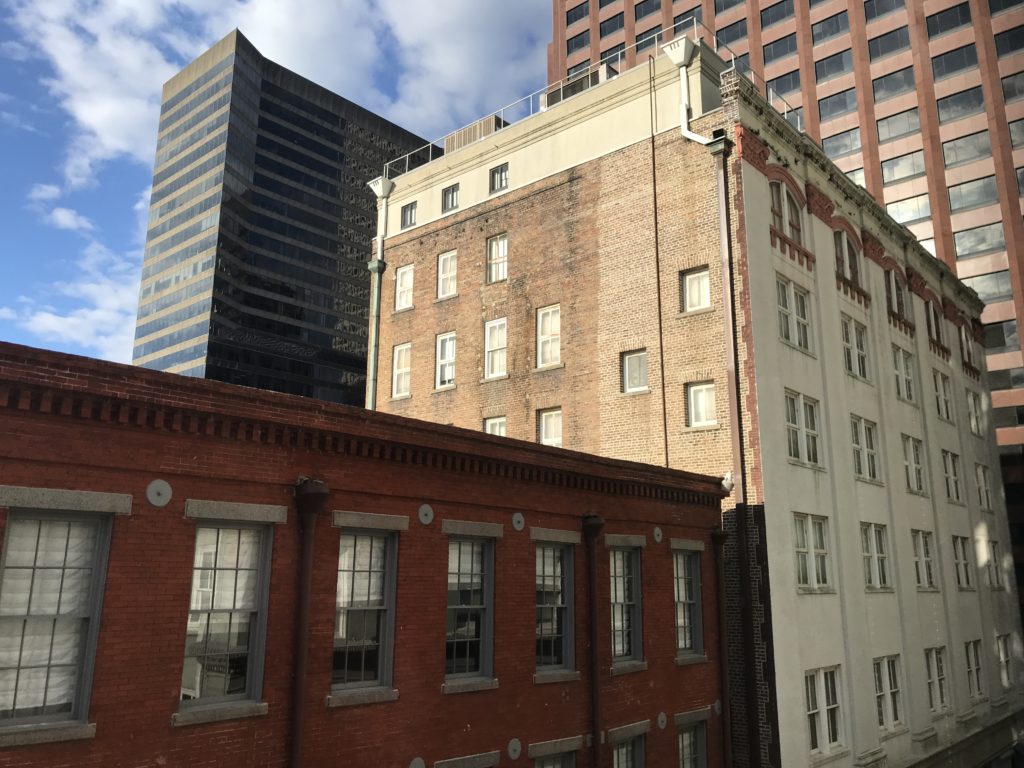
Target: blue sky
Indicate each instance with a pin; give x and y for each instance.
(80, 94)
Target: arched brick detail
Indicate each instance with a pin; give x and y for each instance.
(952, 312)
(873, 249)
(751, 148)
(919, 286)
(842, 223)
(778, 173)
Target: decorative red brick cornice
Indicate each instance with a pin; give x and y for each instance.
(972, 371)
(977, 329)
(939, 349)
(916, 283)
(952, 312)
(874, 250)
(751, 148)
(792, 248)
(901, 323)
(820, 204)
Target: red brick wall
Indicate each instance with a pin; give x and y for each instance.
(223, 443)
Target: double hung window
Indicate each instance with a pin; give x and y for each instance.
(549, 335)
(943, 395)
(888, 700)
(689, 624)
(935, 664)
(903, 365)
(786, 218)
(634, 371)
(450, 198)
(549, 427)
(802, 428)
(984, 494)
(865, 448)
(972, 656)
(468, 634)
(824, 717)
(499, 174)
(794, 313)
(994, 569)
(962, 560)
(694, 290)
(447, 266)
(403, 287)
(624, 569)
(951, 470)
(913, 463)
(554, 590)
(874, 544)
(700, 404)
(1005, 661)
(855, 346)
(445, 368)
(401, 368)
(408, 214)
(497, 258)
(693, 746)
(974, 412)
(924, 571)
(495, 348)
(813, 565)
(847, 258)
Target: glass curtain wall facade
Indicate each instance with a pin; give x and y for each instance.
(260, 227)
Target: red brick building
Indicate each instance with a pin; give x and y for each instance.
(169, 571)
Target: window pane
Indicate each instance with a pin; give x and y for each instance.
(900, 124)
(893, 84)
(961, 104)
(830, 27)
(889, 43)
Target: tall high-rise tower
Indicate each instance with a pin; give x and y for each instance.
(260, 226)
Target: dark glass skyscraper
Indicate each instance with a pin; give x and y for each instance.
(260, 227)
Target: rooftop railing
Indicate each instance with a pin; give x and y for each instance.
(606, 69)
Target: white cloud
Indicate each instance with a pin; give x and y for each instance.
(43, 193)
(14, 50)
(17, 122)
(68, 219)
(6, 313)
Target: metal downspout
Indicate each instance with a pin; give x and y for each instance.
(592, 525)
(657, 262)
(382, 187)
(718, 537)
(310, 496)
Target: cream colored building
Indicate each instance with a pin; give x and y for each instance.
(647, 269)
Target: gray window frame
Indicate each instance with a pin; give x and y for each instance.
(408, 215)
(486, 671)
(636, 746)
(448, 195)
(385, 667)
(886, 122)
(831, 67)
(83, 694)
(900, 78)
(567, 551)
(689, 553)
(973, 106)
(830, 27)
(635, 608)
(258, 636)
(497, 178)
(900, 37)
(699, 727)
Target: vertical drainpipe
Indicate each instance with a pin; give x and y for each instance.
(382, 187)
(592, 525)
(310, 496)
(718, 537)
(720, 148)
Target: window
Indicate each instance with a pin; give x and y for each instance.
(855, 346)
(450, 196)
(961, 104)
(629, 754)
(831, 27)
(893, 84)
(563, 760)
(794, 313)
(966, 149)
(994, 569)
(694, 290)
(972, 654)
(549, 335)
(646, 8)
(403, 287)
(634, 371)
(409, 214)
(364, 623)
(783, 84)
(575, 43)
(903, 364)
(874, 9)
(943, 395)
(982, 480)
(445, 368)
(888, 704)
(933, 320)
(724, 5)
(401, 367)
(992, 287)
(614, 55)
(683, 23)
(1010, 378)
(785, 211)
(624, 565)
(613, 24)
(896, 299)
(1016, 133)
(554, 589)
(910, 209)
(889, 43)
(495, 343)
(903, 167)
(549, 427)
(802, 428)
(1001, 337)
(700, 404)
(856, 176)
(1003, 647)
(833, 66)
(648, 38)
(497, 258)
(812, 557)
(577, 13)
(499, 178)
(495, 425)
(840, 144)
(957, 60)
(51, 591)
(900, 124)
(776, 13)
(935, 663)
(924, 573)
(913, 464)
(447, 268)
(1009, 42)
(226, 619)
(974, 413)
(779, 49)
(847, 258)
(997, 6)
(962, 561)
(874, 545)
(689, 624)
(1013, 86)
(821, 687)
(732, 33)
(865, 449)
(692, 746)
(838, 104)
(469, 626)
(948, 20)
(980, 240)
(951, 471)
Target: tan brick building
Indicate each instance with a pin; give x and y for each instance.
(660, 268)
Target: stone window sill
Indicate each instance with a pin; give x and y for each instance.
(550, 367)
(396, 398)
(357, 696)
(628, 667)
(824, 590)
(556, 676)
(868, 481)
(445, 388)
(45, 733)
(400, 310)
(934, 590)
(469, 685)
(497, 377)
(449, 297)
(215, 713)
(686, 659)
(879, 590)
(696, 312)
(817, 760)
(897, 731)
(640, 391)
